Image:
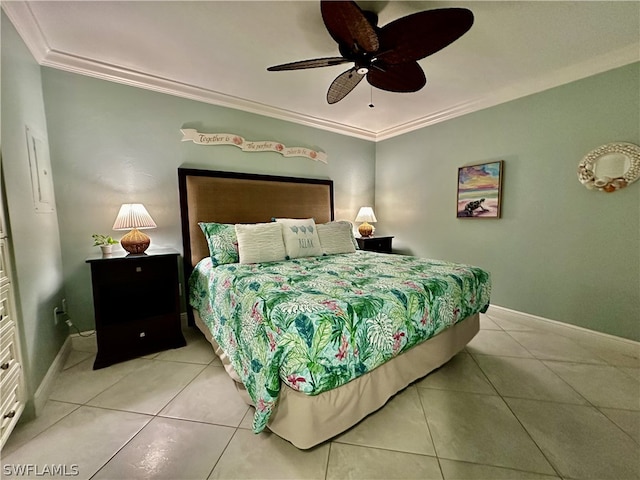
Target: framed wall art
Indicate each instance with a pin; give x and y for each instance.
(480, 190)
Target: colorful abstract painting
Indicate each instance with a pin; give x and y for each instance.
(479, 190)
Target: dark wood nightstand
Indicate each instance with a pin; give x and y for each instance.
(137, 304)
(375, 244)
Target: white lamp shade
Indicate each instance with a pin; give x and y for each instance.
(366, 215)
(133, 215)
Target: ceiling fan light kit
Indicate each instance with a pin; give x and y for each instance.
(387, 56)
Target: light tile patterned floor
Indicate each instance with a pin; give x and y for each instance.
(527, 399)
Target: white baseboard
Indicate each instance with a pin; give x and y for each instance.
(46, 386)
(531, 317)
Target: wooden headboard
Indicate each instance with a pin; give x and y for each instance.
(231, 197)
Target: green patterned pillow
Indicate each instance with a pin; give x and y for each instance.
(222, 241)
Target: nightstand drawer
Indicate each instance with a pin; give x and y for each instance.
(380, 244)
(118, 342)
(128, 300)
(133, 270)
(375, 244)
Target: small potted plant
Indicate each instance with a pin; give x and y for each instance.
(105, 242)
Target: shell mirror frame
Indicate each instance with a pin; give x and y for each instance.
(610, 167)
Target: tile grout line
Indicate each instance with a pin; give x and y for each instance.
(326, 467)
(550, 359)
(438, 457)
(543, 361)
(384, 449)
(77, 405)
(599, 409)
(426, 419)
(518, 420)
(210, 364)
(120, 449)
(541, 327)
(556, 469)
(547, 324)
(158, 415)
(153, 416)
(502, 467)
(224, 450)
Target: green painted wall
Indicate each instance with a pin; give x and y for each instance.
(34, 236)
(114, 144)
(560, 251)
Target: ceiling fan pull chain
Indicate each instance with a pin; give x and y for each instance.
(371, 105)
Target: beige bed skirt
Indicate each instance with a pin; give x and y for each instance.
(306, 420)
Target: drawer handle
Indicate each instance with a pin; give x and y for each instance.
(11, 414)
(5, 366)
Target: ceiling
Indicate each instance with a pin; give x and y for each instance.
(218, 52)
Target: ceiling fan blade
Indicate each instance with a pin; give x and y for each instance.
(422, 34)
(314, 63)
(348, 26)
(404, 77)
(343, 84)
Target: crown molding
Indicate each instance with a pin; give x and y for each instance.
(571, 73)
(114, 73)
(27, 26)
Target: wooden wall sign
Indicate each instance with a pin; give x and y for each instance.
(189, 134)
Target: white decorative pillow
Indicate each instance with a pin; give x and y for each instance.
(336, 237)
(300, 237)
(260, 242)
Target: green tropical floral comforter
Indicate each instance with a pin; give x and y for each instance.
(316, 323)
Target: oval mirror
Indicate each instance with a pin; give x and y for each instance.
(610, 167)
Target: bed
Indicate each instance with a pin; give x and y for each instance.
(316, 343)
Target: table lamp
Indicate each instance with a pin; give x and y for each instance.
(135, 217)
(366, 215)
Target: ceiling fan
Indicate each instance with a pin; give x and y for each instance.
(386, 55)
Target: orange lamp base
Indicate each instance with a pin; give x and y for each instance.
(365, 230)
(135, 242)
